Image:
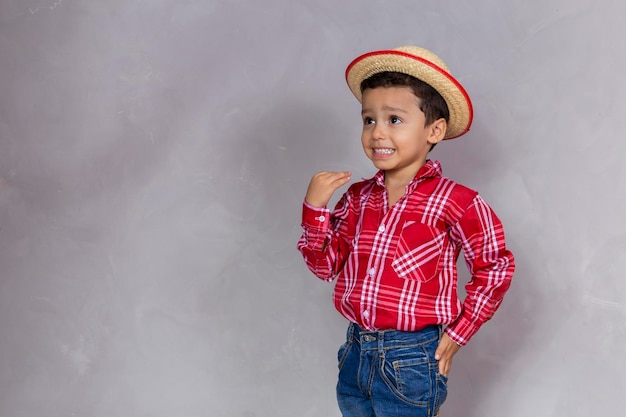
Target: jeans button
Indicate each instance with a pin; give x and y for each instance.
(369, 338)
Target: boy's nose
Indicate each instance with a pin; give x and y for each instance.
(378, 132)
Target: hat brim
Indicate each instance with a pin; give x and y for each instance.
(455, 96)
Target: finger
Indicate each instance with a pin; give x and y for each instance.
(338, 175)
(331, 173)
(343, 178)
(439, 352)
(335, 180)
(444, 367)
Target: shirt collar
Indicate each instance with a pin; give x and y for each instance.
(431, 169)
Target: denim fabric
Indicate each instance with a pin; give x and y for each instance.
(390, 373)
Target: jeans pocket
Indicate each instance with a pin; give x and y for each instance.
(442, 391)
(342, 354)
(409, 376)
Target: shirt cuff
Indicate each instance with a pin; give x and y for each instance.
(462, 330)
(315, 217)
(316, 223)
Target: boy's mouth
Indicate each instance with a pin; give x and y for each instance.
(383, 151)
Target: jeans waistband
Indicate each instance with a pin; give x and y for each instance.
(388, 339)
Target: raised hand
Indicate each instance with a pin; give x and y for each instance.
(323, 185)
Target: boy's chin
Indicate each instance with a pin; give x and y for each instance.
(382, 165)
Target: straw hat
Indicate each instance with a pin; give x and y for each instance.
(424, 65)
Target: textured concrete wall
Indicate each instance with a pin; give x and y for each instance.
(154, 156)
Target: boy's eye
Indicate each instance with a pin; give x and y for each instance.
(368, 120)
(395, 120)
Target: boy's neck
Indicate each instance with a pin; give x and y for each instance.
(395, 183)
(397, 180)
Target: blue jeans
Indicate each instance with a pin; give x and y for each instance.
(390, 373)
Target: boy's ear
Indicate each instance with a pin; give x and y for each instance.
(437, 131)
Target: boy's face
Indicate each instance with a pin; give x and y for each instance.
(394, 134)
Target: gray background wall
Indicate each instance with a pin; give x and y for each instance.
(154, 156)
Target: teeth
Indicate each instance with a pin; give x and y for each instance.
(384, 151)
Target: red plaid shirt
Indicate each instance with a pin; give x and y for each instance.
(396, 267)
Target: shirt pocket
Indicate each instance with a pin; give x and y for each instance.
(419, 252)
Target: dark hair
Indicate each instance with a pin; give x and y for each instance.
(430, 101)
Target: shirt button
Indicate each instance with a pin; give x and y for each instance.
(321, 218)
(381, 229)
(366, 314)
(371, 272)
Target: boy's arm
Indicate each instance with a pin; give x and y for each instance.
(323, 243)
(491, 264)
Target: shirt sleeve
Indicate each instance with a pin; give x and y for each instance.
(481, 235)
(324, 241)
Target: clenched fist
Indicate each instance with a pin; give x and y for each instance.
(323, 185)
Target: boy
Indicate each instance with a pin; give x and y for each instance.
(392, 241)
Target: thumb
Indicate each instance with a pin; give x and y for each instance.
(438, 352)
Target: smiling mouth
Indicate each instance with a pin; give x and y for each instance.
(383, 151)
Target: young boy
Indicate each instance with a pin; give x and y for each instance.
(393, 240)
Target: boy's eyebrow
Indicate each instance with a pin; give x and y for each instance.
(386, 108)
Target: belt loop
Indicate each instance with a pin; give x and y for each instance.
(381, 344)
(350, 333)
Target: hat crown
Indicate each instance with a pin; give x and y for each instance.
(423, 65)
(423, 54)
